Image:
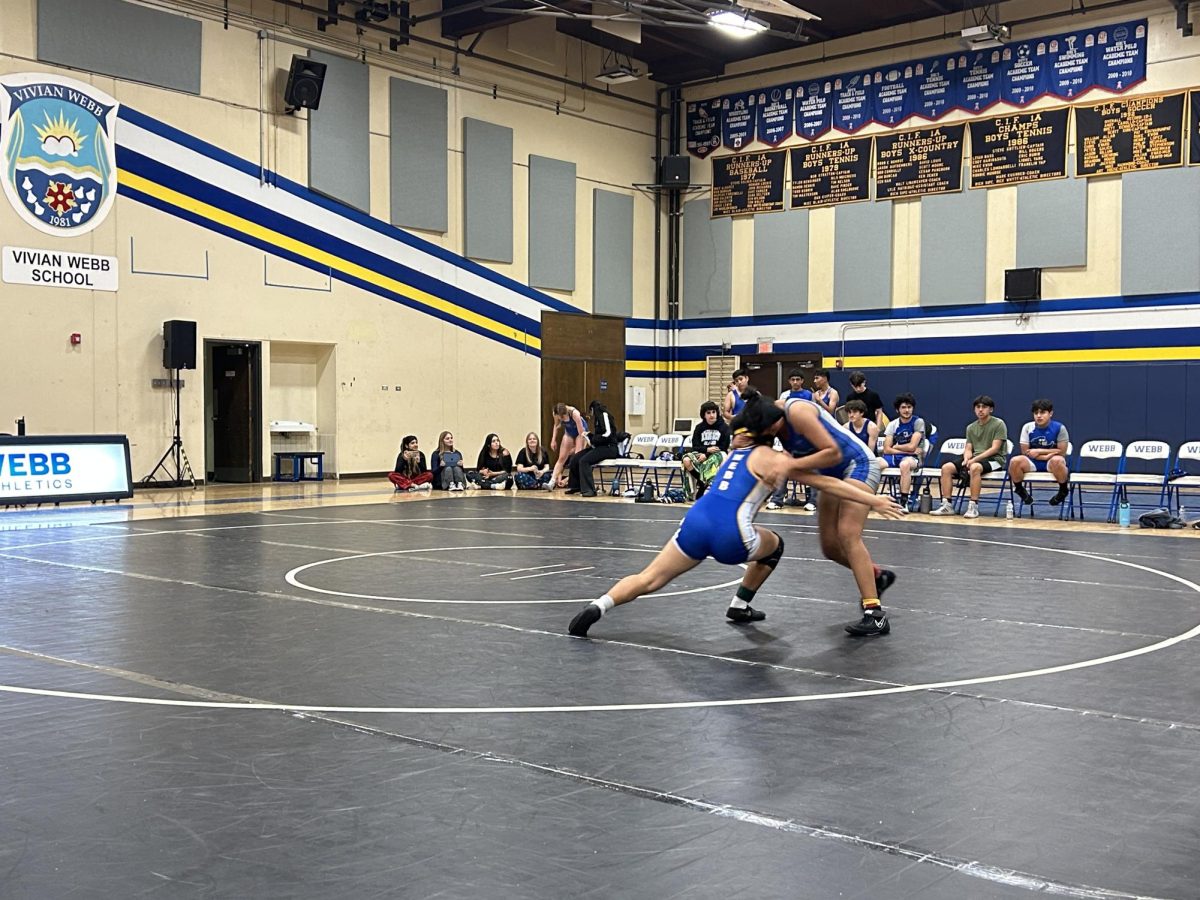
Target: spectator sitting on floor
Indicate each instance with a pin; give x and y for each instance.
(710, 443)
(411, 473)
(605, 441)
(448, 465)
(493, 469)
(860, 426)
(1043, 449)
(983, 452)
(532, 465)
(903, 442)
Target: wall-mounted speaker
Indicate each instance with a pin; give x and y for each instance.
(675, 172)
(1022, 284)
(179, 344)
(306, 77)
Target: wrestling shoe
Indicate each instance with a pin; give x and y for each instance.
(869, 625)
(1023, 492)
(743, 616)
(587, 617)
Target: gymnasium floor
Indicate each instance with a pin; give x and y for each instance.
(328, 690)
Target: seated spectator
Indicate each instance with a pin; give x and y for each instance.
(710, 443)
(411, 473)
(532, 464)
(493, 469)
(605, 439)
(1043, 449)
(984, 452)
(575, 438)
(903, 443)
(860, 426)
(448, 465)
(796, 389)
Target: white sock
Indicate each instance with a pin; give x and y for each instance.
(735, 603)
(604, 604)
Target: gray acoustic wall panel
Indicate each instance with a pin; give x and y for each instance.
(488, 191)
(707, 262)
(1160, 231)
(121, 39)
(339, 138)
(551, 223)
(612, 253)
(1052, 222)
(417, 155)
(781, 263)
(954, 247)
(862, 256)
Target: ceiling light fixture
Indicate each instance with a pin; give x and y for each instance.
(736, 22)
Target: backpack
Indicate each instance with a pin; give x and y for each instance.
(647, 494)
(1160, 518)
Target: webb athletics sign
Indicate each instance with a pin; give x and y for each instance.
(59, 468)
(55, 268)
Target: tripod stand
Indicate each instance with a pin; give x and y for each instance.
(182, 468)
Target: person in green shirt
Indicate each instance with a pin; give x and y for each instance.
(985, 450)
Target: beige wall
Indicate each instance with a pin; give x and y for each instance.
(436, 375)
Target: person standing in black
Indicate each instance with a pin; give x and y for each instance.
(606, 441)
(860, 391)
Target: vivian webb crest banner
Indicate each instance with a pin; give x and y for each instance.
(58, 152)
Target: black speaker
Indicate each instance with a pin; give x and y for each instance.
(1022, 284)
(179, 345)
(676, 172)
(305, 80)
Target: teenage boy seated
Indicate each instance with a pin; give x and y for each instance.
(902, 443)
(1043, 449)
(983, 452)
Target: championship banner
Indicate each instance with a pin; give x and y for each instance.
(1129, 135)
(703, 126)
(1019, 148)
(737, 127)
(917, 163)
(853, 101)
(773, 112)
(831, 172)
(1194, 128)
(1068, 65)
(747, 183)
(814, 108)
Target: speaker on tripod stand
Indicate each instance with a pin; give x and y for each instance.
(179, 353)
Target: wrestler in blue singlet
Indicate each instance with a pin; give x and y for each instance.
(738, 403)
(721, 523)
(857, 462)
(570, 428)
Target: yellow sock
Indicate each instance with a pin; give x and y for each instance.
(870, 603)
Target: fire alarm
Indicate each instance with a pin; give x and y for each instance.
(76, 339)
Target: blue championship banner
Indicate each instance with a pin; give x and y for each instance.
(703, 126)
(916, 163)
(737, 126)
(774, 115)
(1019, 148)
(1194, 128)
(748, 183)
(831, 172)
(1129, 135)
(1107, 57)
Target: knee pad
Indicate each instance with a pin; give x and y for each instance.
(772, 560)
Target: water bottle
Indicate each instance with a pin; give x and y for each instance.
(1123, 516)
(1008, 510)
(925, 504)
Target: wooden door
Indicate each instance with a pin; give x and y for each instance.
(583, 359)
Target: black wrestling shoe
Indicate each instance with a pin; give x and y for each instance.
(1063, 492)
(587, 617)
(743, 616)
(869, 625)
(884, 580)
(1023, 493)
